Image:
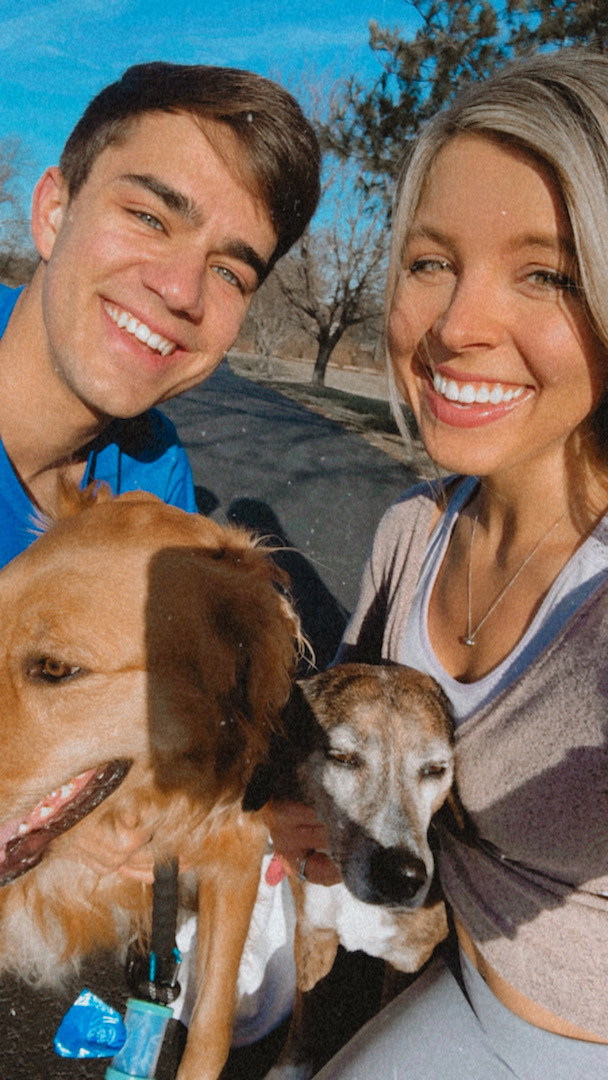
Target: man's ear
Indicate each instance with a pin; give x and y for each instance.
(49, 204)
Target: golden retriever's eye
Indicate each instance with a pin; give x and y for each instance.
(434, 769)
(52, 670)
(343, 757)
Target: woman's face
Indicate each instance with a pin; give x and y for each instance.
(488, 335)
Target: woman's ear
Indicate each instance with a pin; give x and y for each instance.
(49, 203)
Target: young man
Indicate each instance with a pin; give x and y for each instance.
(176, 192)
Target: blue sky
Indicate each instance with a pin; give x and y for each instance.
(56, 54)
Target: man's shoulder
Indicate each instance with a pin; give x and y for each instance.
(8, 299)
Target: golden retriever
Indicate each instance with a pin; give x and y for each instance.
(370, 748)
(145, 656)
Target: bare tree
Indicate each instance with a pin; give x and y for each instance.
(16, 257)
(333, 277)
(269, 321)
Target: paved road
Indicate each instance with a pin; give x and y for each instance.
(266, 461)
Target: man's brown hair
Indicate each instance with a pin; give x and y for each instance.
(282, 155)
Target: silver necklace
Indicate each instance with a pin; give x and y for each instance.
(472, 634)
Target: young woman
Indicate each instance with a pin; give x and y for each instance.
(495, 581)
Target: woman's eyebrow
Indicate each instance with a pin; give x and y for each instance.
(546, 242)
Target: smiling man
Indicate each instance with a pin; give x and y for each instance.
(175, 194)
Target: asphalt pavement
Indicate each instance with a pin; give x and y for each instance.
(275, 466)
(267, 462)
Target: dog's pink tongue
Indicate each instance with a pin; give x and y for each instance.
(44, 811)
(275, 872)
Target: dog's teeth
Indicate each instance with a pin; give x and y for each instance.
(67, 790)
(23, 829)
(45, 811)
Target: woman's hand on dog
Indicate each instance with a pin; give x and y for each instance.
(298, 836)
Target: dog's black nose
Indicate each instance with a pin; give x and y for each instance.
(413, 875)
(397, 874)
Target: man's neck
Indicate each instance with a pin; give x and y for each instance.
(44, 429)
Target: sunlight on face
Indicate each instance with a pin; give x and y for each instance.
(487, 331)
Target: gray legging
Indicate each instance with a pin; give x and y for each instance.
(440, 1030)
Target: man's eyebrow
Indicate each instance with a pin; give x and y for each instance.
(173, 199)
(182, 205)
(238, 249)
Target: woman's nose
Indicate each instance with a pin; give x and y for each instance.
(472, 316)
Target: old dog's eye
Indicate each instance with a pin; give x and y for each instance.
(435, 769)
(52, 670)
(343, 757)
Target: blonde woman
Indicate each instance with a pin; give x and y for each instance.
(495, 581)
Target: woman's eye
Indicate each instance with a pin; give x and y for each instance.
(553, 280)
(429, 266)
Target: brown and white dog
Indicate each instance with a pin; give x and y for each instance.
(145, 656)
(370, 748)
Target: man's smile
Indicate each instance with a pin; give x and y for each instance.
(125, 321)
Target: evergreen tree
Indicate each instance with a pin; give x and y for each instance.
(456, 42)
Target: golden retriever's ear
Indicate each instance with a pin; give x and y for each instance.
(72, 500)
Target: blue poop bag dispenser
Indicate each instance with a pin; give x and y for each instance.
(153, 980)
(145, 1023)
(93, 1029)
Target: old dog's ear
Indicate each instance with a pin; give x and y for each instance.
(275, 777)
(222, 647)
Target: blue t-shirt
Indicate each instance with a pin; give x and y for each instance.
(139, 454)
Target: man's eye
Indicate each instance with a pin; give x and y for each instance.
(228, 276)
(149, 219)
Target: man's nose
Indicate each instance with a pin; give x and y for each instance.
(180, 282)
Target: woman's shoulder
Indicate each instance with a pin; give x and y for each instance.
(421, 502)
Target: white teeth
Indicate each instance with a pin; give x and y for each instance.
(45, 811)
(125, 321)
(466, 394)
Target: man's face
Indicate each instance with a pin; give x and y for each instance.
(151, 268)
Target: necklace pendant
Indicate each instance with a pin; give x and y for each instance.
(468, 640)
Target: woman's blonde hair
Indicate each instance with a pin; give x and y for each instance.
(555, 106)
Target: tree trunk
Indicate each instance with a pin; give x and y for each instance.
(326, 347)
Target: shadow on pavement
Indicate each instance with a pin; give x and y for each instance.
(323, 617)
